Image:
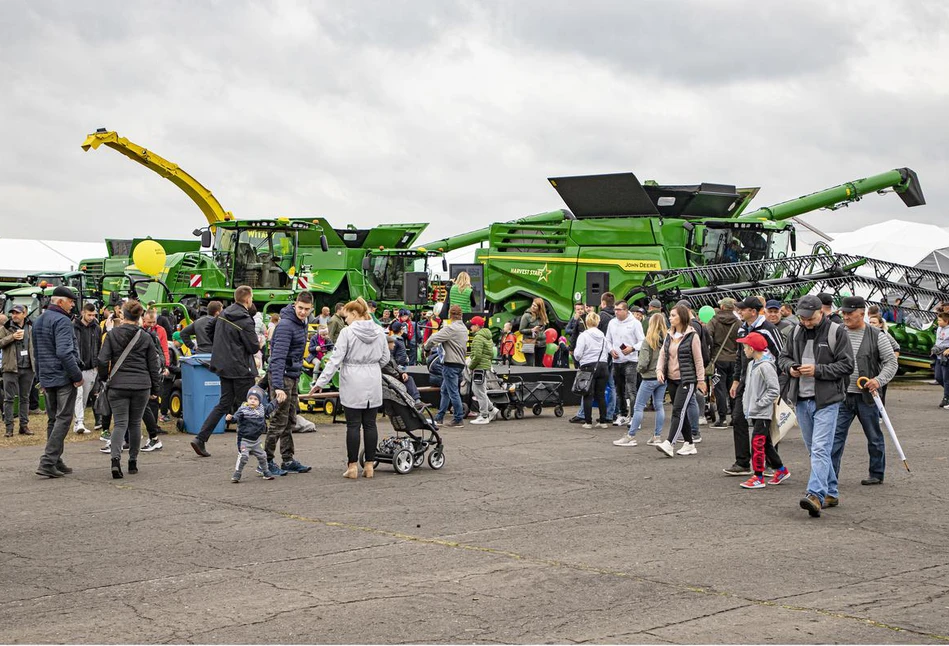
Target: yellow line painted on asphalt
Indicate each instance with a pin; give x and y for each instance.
(595, 570)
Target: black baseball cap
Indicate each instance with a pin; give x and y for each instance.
(750, 303)
(18, 308)
(825, 298)
(64, 292)
(853, 303)
(807, 306)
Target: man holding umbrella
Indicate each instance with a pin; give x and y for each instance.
(875, 360)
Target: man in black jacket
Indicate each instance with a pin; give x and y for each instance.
(818, 358)
(749, 310)
(233, 346)
(200, 330)
(88, 341)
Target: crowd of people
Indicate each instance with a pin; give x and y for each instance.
(827, 364)
(747, 358)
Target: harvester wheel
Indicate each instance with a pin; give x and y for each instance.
(329, 407)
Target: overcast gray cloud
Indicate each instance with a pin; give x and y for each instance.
(454, 113)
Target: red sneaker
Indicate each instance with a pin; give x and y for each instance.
(754, 482)
(780, 476)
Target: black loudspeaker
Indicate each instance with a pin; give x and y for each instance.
(598, 282)
(416, 288)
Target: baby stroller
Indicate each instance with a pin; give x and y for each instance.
(542, 394)
(407, 452)
(504, 391)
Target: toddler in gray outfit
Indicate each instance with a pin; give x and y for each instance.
(251, 420)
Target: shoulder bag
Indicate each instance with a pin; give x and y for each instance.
(102, 399)
(583, 381)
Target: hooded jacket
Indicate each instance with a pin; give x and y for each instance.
(234, 343)
(140, 370)
(723, 328)
(286, 348)
(482, 350)
(761, 388)
(591, 347)
(628, 333)
(454, 340)
(359, 354)
(252, 422)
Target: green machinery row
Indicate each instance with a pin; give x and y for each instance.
(647, 240)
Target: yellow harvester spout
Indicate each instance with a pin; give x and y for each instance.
(200, 195)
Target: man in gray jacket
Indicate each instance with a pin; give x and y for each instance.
(454, 341)
(201, 330)
(16, 342)
(818, 358)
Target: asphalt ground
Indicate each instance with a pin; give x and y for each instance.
(534, 531)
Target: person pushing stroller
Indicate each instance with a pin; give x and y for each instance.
(251, 420)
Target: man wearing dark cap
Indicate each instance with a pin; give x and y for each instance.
(818, 358)
(16, 337)
(749, 310)
(827, 307)
(874, 358)
(57, 367)
(772, 312)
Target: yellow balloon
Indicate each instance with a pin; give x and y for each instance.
(149, 257)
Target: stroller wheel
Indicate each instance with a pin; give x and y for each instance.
(558, 410)
(436, 459)
(362, 460)
(506, 413)
(419, 460)
(403, 461)
(537, 409)
(519, 412)
(465, 410)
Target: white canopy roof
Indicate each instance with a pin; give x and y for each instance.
(899, 241)
(23, 257)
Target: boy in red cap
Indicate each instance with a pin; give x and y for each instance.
(761, 391)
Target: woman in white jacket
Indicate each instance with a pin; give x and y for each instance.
(590, 355)
(359, 354)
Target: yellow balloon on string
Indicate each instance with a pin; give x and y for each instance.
(149, 257)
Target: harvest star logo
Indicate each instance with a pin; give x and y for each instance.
(541, 274)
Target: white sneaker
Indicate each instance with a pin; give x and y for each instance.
(602, 425)
(655, 440)
(480, 420)
(152, 445)
(687, 449)
(622, 420)
(702, 420)
(666, 447)
(107, 448)
(493, 414)
(622, 441)
(588, 426)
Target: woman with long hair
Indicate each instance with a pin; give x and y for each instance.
(533, 323)
(461, 293)
(940, 354)
(590, 355)
(681, 366)
(649, 387)
(359, 354)
(132, 381)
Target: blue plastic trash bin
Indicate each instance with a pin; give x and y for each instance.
(200, 392)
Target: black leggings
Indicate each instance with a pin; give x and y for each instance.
(601, 377)
(684, 392)
(365, 418)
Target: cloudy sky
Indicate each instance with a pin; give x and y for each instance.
(455, 113)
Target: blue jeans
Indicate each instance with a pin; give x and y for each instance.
(648, 389)
(817, 429)
(869, 417)
(611, 401)
(692, 413)
(451, 393)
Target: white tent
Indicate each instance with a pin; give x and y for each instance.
(924, 246)
(22, 257)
